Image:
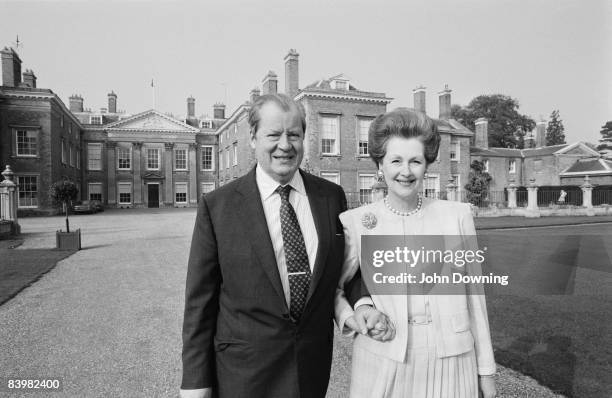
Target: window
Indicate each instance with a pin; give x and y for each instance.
(63, 152)
(125, 193)
(180, 192)
(340, 85)
(95, 119)
(512, 166)
(457, 181)
(95, 191)
(207, 187)
(329, 135)
(332, 176)
(235, 148)
(124, 158)
(431, 185)
(206, 124)
(71, 155)
(78, 158)
(227, 133)
(207, 158)
(365, 187)
(227, 158)
(27, 143)
(153, 158)
(235, 129)
(363, 127)
(28, 191)
(180, 159)
(454, 150)
(94, 156)
(486, 165)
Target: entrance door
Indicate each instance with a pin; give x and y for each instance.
(153, 190)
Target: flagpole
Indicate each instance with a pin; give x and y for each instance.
(153, 94)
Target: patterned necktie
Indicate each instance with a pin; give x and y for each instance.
(296, 256)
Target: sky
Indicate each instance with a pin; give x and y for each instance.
(547, 54)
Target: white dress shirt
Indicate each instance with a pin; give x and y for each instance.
(271, 202)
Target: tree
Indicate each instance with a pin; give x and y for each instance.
(506, 125)
(478, 184)
(555, 132)
(605, 142)
(63, 193)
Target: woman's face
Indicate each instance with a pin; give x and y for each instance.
(404, 167)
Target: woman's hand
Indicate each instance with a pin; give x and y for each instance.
(487, 386)
(368, 320)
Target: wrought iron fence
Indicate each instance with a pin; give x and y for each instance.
(602, 196)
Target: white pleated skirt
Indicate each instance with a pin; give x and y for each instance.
(423, 375)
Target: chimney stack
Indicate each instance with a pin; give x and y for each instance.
(112, 102)
(541, 134)
(254, 94)
(76, 103)
(292, 75)
(445, 103)
(219, 111)
(270, 83)
(11, 68)
(419, 99)
(482, 133)
(190, 107)
(29, 78)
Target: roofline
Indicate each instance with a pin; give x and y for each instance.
(46, 94)
(231, 119)
(111, 126)
(318, 94)
(581, 173)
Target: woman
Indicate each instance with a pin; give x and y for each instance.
(442, 346)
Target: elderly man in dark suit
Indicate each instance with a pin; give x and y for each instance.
(264, 265)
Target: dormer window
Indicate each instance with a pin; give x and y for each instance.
(95, 119)
(206, 124)
(340, 84)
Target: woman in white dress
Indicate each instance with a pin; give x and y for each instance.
(442, 346)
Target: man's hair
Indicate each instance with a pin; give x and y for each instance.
(283, 101)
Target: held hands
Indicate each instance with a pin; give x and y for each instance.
(368, 320)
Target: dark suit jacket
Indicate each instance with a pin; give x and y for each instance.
(238, 336)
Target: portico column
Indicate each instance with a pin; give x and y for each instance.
(111, 167)
(193, 173)
(168, 199)
(8, 199)
(137, 155)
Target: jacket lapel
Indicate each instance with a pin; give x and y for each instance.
(320, 212)
(252, 212)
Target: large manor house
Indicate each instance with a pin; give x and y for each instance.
(152, 159)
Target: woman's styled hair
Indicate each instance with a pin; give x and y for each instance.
(404, 123)
(283, 101)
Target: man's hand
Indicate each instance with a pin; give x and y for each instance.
(199, 393)
(368, 320)
(487, 386)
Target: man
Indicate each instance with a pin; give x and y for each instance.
(264, 265)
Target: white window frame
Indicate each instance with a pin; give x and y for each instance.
(119, 185)
(235, 150)
(485, 164)
(212, 157)
(336, 144)
(457, 181)
(21, 184)
(70, 155)
(183, 186)
(455, 148)
(158, 151)
(360, 137)
(90, 146)
(512, 166)
(129, 157)
(361, 186)
(331, 176)
(78, 158)
(203, 186)
(95, 119)
(29, 135)
(176, 150)
(89, 190)
(227, 158)
(436, 185)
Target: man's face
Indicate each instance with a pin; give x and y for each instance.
(279, 142)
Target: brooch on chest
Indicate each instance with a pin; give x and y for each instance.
(369, 220)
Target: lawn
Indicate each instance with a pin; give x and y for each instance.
(20, 268)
